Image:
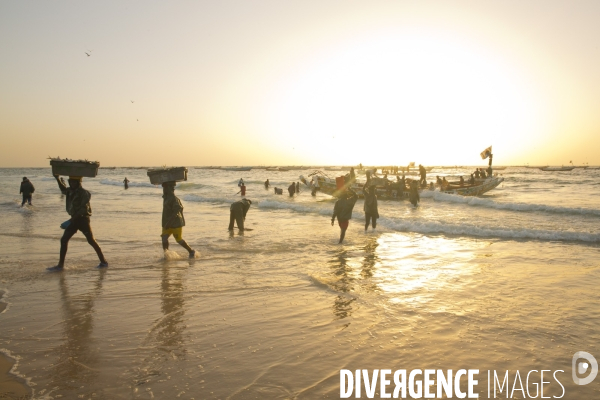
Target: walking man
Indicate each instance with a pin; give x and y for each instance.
(78, 207)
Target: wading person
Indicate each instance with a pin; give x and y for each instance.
(423, 174)
(237, 213)
(414, 196)
(78, 207)
(172, 219)
(370, 206)
(126, 183)
(26, 190)
(292, 189)
(343, 211)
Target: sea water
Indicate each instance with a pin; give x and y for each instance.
(507, 281)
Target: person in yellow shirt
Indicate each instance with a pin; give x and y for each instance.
(172, 219)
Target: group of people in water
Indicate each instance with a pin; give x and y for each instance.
(79, 209)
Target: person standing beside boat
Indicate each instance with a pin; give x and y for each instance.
(292, 189)
(343, 211)
(423, 174)
(414, 193)
(402, 187)
(370, 206)
(489, 169)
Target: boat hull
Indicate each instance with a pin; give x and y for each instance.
(328, 186)
(479, 188)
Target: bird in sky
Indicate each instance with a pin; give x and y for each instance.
(132, 101)
(88, 53)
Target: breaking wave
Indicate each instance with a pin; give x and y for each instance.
(483, 202)
(429, 227)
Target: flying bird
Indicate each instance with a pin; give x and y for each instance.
(132, 101)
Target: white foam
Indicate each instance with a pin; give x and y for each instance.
(482, 202)
(4, 300)
(14, 371)
(170, 255)
(428, 227)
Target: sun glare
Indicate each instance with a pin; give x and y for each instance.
(400, 98)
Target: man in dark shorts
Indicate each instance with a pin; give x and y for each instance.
(237, 213)
(343, 211)
(27, 190)
(78, 207)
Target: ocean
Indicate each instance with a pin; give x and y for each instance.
(507, 281)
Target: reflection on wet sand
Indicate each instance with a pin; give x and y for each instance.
(169, 330)
(166, 336)
(11, 386)
(78, 357)
(342, 305)
(370, 260)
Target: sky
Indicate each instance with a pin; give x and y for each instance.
(321, 82)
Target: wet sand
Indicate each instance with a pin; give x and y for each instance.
(275, 313)
(11, 386)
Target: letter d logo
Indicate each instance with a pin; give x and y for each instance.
(582, 368)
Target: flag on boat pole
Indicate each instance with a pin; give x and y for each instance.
(486, 153)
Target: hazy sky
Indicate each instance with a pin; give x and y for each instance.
(299, 82)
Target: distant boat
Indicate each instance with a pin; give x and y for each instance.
(236, 168)
(554, 169)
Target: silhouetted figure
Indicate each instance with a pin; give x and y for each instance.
(370, 206)
(292, 189)
(267, 184)
(126, 183)
(79, 208)
(172, 219)
(26, 190)
(237, 213)
(343, 211)
(423, 174)
(414, 193)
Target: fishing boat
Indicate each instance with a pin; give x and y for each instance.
(236, 168)
(389, 190)
(479, 187)
(555, 169)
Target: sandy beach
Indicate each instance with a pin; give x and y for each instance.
(278, 312)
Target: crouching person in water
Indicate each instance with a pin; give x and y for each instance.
(237, 213)
(172, 219)
(370, 206)
(343, 211)
(78, 207)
